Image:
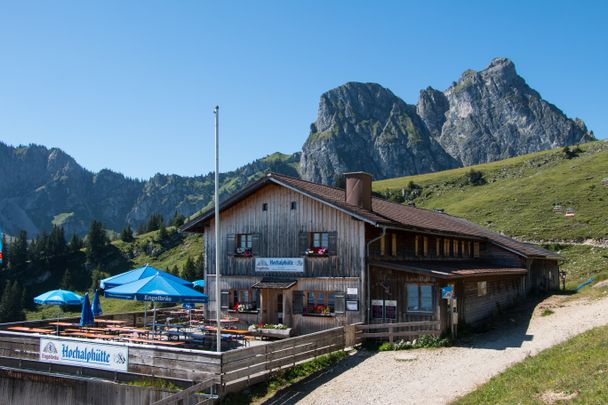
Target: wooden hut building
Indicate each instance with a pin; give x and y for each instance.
(313, 257)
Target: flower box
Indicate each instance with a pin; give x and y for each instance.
(243, 252)
(273, 331)
(317, 252)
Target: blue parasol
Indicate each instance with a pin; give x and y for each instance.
(198, 283)
(58, 297)
(96, 308)
(86, 315)
(138, 274)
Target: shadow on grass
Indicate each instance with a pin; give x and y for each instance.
(296, 392)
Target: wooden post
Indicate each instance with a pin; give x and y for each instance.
(390, 336)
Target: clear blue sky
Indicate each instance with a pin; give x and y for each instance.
(130, 85)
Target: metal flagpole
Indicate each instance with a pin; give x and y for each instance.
(216, 111)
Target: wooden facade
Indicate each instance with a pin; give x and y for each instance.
(368, 271)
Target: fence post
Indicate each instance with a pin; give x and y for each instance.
(390, 336)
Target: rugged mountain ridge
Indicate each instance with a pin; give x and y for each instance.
(484, 116)
(364, 126)
(41, 187)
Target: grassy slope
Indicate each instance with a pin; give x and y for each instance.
(174, 253)
(578, 366)
(520, 193)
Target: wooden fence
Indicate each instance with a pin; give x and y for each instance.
(391, 331)
(221, 372)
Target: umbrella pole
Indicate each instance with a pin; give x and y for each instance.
(154, 320)
(145, 314)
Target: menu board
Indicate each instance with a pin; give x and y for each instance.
(390, 308)
(377, 309)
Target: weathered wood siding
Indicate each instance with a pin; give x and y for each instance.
(502, 292)
(543, 275)
(392, 285)
(278, 230)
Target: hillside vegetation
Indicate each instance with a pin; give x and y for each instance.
(572, 372)
(517, 196)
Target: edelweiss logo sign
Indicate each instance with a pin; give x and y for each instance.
(85, 354)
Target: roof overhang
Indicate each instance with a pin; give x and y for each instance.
(274, 284)
(451, 271)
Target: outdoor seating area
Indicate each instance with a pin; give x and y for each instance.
(173, 325)
(174, 328)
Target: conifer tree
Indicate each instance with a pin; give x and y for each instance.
(127, 234)
(96, 243)
(189, 270)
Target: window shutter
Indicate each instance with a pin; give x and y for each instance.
(298, 303)
(333, 243)
(340, 302)
(255, 244)
(303, 243)
(230, 244)
(224, 299)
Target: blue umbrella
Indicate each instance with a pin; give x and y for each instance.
(96, 307)
(198, 283)
(156, 289)
(86, 315)
(58, 297)
(138, 274)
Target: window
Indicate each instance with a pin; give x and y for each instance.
(446, 247)
(419, 298)
(265, 207)
(293, 205)
(456, 244)
(320, 240)
(476, 249)
(244, 244)
(482, 288)
(321, 303)
(244, 300)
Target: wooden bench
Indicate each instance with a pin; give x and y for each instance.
(156, 342)
(31, 330)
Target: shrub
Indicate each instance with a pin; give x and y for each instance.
(475, 178)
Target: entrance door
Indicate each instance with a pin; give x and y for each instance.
(269, 305)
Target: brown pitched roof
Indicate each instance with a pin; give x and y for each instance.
(383, 213)
(451, 270)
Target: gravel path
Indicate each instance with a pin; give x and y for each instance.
(441, 375)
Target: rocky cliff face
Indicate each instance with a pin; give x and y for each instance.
(363, 126)
(487, 115)
(493, 114)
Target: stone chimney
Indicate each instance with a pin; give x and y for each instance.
(359, 189)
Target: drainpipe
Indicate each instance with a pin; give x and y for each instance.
(368, 272)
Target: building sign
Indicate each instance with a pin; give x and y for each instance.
(84, 354)
(352, 291)
(447, 292)
(280, 264)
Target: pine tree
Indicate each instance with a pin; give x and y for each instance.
(11, 308)
(4, 264)
(96, 276)
(199, 264)
(97, 241)
(67, 281)
(189, 270)
(75, 243)
(178, 219)
(154, 223)
(162, 232)
(127, 234)
(18, 253)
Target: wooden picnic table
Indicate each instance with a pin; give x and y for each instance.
(156, 342)
(31, 330)
(110, 321)
(89, 335)
(228, 331)
(66, 324)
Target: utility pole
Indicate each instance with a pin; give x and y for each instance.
(218, 299)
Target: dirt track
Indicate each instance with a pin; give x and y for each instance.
(437, 376)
